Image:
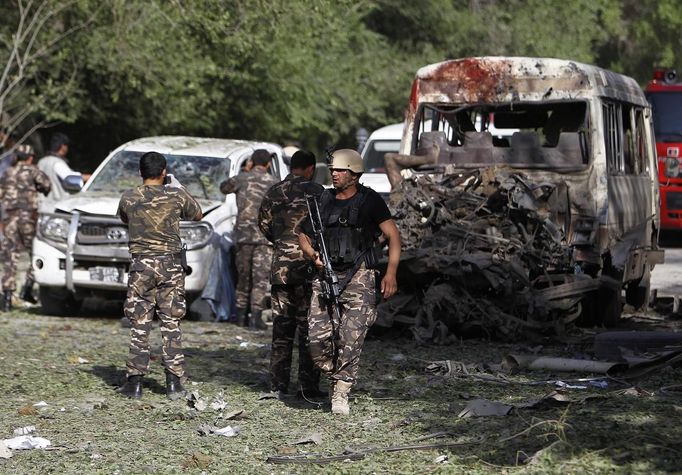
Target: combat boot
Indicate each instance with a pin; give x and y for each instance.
(27, 292)
(340, 398)
(7, 300)
(174, 389)
(132, 387)
(241, 317)
(256, 321)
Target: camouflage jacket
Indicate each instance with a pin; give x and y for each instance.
(282, 211)
(153, 215)
(20, 185)
(250, 187)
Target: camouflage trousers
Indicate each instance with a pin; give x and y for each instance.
(335, 345)
(20, 228)
(290, 305)
(253, 263)
(155, 283)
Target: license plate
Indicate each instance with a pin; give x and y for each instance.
(105, 274)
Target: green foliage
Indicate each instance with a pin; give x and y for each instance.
(648, 35)
(306, 70)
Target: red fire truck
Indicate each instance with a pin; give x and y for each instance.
(665, 95)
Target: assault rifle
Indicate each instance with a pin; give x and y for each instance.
(331, 289)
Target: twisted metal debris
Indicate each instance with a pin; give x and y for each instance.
(484, 252)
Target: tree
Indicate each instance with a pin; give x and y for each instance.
(37, 80)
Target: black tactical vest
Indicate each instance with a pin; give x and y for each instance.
(347, 242)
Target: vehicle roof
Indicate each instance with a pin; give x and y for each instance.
(491, 79)
(195, 146)
(388, 132)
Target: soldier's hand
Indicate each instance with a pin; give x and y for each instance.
(317, 260)
(389, 286)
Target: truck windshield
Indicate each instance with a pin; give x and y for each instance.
(667, 107)
(201, 176)
(374, 155)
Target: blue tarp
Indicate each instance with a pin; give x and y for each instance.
(219, 291)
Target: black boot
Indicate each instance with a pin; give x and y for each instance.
(7, 300)
(174, 389)
(132, 387)
(256, 322)
(241, 317)
(27, 292)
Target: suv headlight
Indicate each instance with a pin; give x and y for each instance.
(196, 235)
(54, 228)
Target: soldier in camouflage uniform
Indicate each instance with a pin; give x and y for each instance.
(156, 280)
(254, 252)
(19, 188)
(354, 218)
(281, 213)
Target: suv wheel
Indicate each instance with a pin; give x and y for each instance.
(58, 302)
(200, 310)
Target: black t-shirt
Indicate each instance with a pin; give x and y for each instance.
(373, 211)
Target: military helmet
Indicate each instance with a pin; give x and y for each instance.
(347, 159)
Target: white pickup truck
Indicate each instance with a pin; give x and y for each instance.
(81, 249)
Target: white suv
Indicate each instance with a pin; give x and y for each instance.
(81, 249)
(383, 140)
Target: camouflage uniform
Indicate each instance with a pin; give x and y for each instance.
(156, 280)
(254, 252)
(281, 213)
(336, 346)
(338, 358)
(19, 189)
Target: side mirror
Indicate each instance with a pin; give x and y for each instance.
(672, 167)
(73, 183)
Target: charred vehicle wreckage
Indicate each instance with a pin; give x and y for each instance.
(547, 222)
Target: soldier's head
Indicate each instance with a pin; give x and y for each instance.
(24, 153)
(59, 144)
(303, 164)
(346, 168)
(152, 165)
(261, 158)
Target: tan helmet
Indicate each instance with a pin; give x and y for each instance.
(347, 159)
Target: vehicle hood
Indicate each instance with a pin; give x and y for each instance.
(376, 181)
(106, 205)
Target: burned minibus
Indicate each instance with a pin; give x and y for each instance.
(553, 222)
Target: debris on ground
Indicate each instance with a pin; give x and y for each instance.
(195, 401)
(219, 403)
(483, 407)
(24, 430)
(484, 252)
(314, 438)
(26, 442)
(227, 431)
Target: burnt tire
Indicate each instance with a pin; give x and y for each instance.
(58, 302)
(637, 292)
(602, 307)
(199, 310)
(609, 305)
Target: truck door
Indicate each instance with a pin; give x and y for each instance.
(631, 188)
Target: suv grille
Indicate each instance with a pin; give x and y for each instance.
(102, 233)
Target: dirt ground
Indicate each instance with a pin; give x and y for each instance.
(71, 366)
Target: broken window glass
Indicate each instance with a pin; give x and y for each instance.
(201, 176)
